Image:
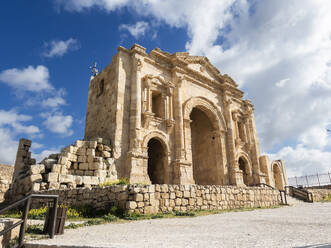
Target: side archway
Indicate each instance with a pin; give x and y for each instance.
(156, 149)
(246, 168)
(277, 176)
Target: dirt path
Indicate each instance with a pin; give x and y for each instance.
(297, 226)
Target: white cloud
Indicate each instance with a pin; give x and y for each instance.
(278, 51)
(79, 5)
(303, 160)
(59, 47)
(13, 120)
(53, 102)
(10, 126)
(282, 82)
(27, 79)
(8, 146)
(137, 30)
(44, 154)
(58, 123)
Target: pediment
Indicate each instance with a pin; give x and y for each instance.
(204, 70)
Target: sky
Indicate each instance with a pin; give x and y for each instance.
(279, 52)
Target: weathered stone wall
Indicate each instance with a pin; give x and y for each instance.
(319, 194)
(6, 174)
(165, 198)
(84, 164)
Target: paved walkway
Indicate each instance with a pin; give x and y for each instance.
(302, 225)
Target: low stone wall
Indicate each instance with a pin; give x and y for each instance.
(319, 194)
(166, 198)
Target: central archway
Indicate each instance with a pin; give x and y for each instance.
(156, 161)
(203, 148)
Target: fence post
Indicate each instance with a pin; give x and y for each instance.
(329, 176)
(307, 181)
(296, 181)
(318, 179)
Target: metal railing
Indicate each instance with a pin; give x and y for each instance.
(299, 193)
(282, 193)
(27, 202)
(318, 179)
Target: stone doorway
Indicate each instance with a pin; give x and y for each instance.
(203, 145)
(277, 177)
(156, 161)
(244, 168)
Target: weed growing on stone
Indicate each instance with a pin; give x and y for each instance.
(121, 181)
(326, 198)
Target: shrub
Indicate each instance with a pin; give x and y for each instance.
(133, 216)
(38, 214)
(109, 217)
(121, 181)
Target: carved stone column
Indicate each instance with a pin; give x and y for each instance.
(183, 172)
(233, 166)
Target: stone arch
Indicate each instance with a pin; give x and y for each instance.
(277, 174)
(245, 165)
(204, 141)
(208, 107)
(156, 149)
(158, 135)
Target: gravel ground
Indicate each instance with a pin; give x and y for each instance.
(303, 225)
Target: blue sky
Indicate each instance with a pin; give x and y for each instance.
(278, 52)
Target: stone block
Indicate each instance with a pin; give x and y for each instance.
(66, 178)
(94, 180)
(178, 201)
(97, 166)
(100, 173)
(36, 178)
(90, 158)
(131, 205)
(78, 180)
(164, 188)
(106, 154)
(56, 168)
(87, 180)
(52, 177)
(138, 197)
(63, 160)
(92, 144)
(90, 152)
(83, 166)
(88, 173)
(54, 185)
(79, 143)
(36, 187)
(79, 172)
(187, 194)
(82, 158)
(140, 204)
(106, 148)
(123, 196)
(37, 169)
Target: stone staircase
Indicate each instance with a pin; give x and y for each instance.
(293, 201)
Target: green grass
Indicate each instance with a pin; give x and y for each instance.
(121, 181)
(326, 198)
